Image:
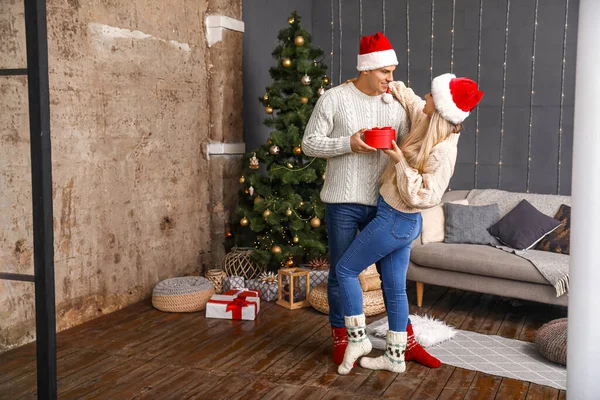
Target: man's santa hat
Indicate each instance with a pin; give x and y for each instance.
(375, 52)
(454, 97)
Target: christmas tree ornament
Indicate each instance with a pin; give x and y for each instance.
(326, 81)
(228, 233)
(304, 100)
(266, 97)
(274, 150)
(268, 277)
(320, 91)
(301, 204)
(290, 262)
(269, 141)
(242, 179)
(251, 191)
(305, 80)
(315, 222)
(269, 110)
(295, 239)
(290, 166)
(315, 63)
(258, 199)
(297, 150)
(267, 213)
(244, 221)
(323, 176)
(246, 191)
(299, 40)
(276, 249)
(287, 62)
(318, 264)
(253, 162)
(288, 212)
(290, 20)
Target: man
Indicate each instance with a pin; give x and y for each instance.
(351, 188)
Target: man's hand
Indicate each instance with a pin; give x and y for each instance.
(395, 153)
(358, 146)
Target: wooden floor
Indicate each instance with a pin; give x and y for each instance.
(141, 353)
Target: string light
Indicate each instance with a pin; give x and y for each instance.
(431, 44)
(360, 17)
(332, 43)
(340, 25)
(477, 110)
(452, 37)
(562, 95)
(383, 15)
(408, 43)
(529, 141)
(503, 96)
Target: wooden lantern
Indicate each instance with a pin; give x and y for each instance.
(293, 278)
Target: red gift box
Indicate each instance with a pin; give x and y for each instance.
(380, 138)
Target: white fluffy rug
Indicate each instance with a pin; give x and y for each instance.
(428, 331)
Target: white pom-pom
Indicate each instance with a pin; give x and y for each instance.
(387, 97)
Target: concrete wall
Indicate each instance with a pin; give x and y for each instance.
(136, 94)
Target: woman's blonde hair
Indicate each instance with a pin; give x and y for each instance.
(417, 145)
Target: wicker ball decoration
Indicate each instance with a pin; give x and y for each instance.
(238, 263)
(551, 339)
(183, 294)
(372, 301)
(216, 276)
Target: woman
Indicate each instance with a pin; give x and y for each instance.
(415, 179)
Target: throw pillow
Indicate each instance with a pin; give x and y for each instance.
(468, 224)
(523, 226)
(559, 241)
(434, 223)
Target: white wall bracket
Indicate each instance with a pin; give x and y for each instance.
(216, 24)
(225, 149)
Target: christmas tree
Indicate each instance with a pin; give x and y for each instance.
(280, 212)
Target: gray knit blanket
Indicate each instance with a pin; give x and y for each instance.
(553, 266)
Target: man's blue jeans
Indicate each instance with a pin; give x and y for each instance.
(387, 239)
(343, 223)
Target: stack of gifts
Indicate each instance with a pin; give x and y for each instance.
(266, 284)
(319, 271)
(233, 282)
(234, 304)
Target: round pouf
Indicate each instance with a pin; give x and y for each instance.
(184, 294)
(551, 339)
(372, 301)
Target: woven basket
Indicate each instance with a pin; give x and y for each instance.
(369, 279)
(372, 301)
(551, 339)
(184, 294)
(238, 263)
(216, 276)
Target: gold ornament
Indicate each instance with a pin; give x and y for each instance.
(266, 213)
(266, 97)
(323, 176)
(274, 150)
(246, 191)
(326, 80)
(304, 100)
(269, 110)
(276, 249)
(290, 20)
(301, 204)
(320, 91)
(244, 221)
(269, 141)
(253, 162)
(315, 222)
(297, 150)
(296, 239)
(289, 165)
(242, 179)
(288, 212)
(298, 40)
(305, 80)
(289, 262)
(287, 62)
(258, 199)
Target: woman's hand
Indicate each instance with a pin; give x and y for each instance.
(395, 153)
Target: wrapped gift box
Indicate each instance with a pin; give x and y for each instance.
(318, 276)
(234, 304)
(234, 282)
(268, 291)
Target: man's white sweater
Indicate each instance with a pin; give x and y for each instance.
(338, 114)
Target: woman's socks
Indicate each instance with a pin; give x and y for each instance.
(393, 359)
(358, 342)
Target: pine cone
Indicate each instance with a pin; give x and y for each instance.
(318, 264)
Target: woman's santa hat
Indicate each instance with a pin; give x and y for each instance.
(375, 52)
(454, 97)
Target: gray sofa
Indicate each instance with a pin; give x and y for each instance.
(483, 268)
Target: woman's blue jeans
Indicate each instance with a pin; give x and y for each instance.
(387, 239)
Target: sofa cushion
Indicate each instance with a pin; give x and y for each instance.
(477, 260)
(434, 223)
(469, 224)
(559, 241)
(523, 226)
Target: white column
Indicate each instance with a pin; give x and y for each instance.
(583, 373)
